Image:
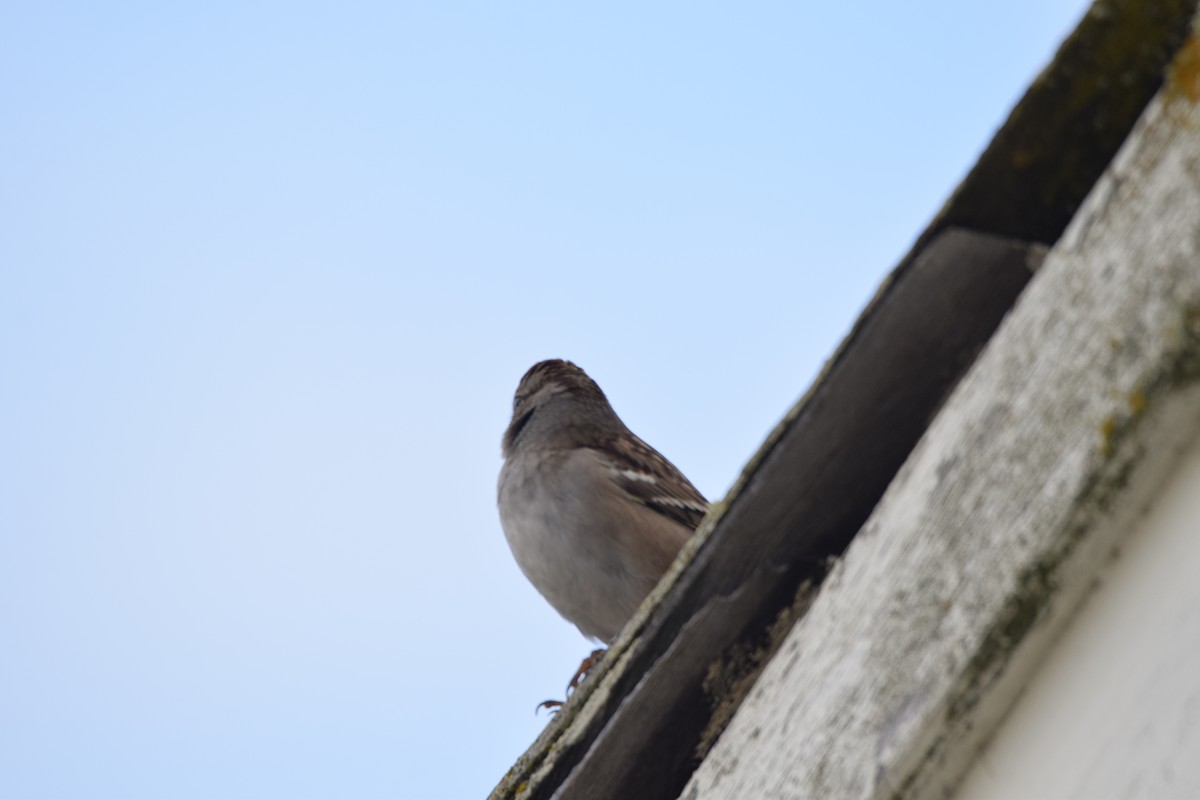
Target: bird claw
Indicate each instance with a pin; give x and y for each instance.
(554, 706)
(584, 668)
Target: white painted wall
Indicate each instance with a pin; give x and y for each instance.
(1114, 712)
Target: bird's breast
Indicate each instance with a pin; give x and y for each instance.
(565, 528)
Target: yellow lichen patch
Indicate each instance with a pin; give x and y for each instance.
(1191, 318)
(1107, 428)
(1137, 402)
(1183, 76)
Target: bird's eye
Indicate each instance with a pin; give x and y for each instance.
(517, 400)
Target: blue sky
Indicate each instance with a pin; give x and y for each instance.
(269, 274)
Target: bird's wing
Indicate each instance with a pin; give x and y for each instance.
(643, 473)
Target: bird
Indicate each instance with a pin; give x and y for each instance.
(593, 515)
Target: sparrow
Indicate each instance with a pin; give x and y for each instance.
(593, 515)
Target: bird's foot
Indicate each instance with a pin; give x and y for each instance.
(584, 668)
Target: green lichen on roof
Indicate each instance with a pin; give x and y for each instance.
(1183, 76)
(1066, 129)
